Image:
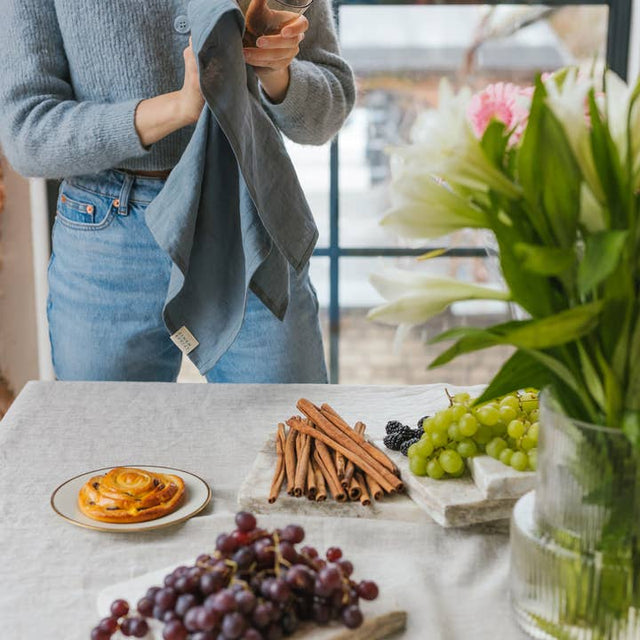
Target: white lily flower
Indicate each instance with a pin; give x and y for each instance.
(416, 297)
(444, 145)
(424, 207)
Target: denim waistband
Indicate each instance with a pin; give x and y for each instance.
(120, 186)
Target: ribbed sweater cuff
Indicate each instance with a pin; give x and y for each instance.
(120, 130)
(292, 108)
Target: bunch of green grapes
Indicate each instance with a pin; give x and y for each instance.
(505, 428)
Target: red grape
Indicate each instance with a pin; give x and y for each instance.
(119, 608)
(246, 521)
(110, 625)
(351, 617)
(292, 533)
(99, 634)
(174, 630)
(368, 590)
(334, 554)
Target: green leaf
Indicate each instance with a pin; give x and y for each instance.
(494, 142)
(603, 252)
(591, 377)
(632, 398)
(518, 372)
(631, 427)
(542, 260)
(555, 330)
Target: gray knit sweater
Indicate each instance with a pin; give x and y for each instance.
(73, 71)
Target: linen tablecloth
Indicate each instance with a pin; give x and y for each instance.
(52, 571)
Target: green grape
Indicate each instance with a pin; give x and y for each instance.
(520, 461)
(467, 448)
(507, 413)
(527, 442)
(488, 415)
(418, 465)
(451, 461)
(459, 473)
(505, 456)
(499, 429)
(457, 411)
(442, 420)
(510, 401)
(424, 448)
(516, 429)
(439, 439)
(533, 459)
(534, 430)
(434, 469)
(468, 425)
(461, 398)
(483, 435)
(454, 432)
(534, 415)
(427, 425)
(496, 447)
(529, 402)
(412, 451)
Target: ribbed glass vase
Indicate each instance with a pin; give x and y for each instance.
(575, 540)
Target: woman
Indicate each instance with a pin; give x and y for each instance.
(96, 91)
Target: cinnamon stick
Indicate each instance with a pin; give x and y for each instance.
(302, 465)
(334, 417)
(348, 474)
(330, 479)
(312, 488)
(290, 459)
(278, 476)
(321, 493)
(340, 466)
(364, 496)
(329, 467)
(349, 449)
(355, 491)
(374, 488)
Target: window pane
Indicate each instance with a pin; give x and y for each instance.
(399, 68)
(367, 353)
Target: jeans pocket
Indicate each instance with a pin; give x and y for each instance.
(82, 209)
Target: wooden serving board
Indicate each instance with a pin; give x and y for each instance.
(382, 618)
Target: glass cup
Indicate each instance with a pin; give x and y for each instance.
(267, 17)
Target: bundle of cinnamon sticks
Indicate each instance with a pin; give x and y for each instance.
(321, 455)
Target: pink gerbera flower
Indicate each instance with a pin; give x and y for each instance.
(505, 102)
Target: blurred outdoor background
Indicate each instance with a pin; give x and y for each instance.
(399, 53)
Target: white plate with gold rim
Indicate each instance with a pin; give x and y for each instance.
(64, 501)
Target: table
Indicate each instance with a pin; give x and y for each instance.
(51, 571)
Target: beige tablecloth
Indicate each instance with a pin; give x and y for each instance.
(452, 582)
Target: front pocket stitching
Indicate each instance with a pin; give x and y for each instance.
(89, 226)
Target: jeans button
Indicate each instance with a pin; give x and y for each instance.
(181, 24)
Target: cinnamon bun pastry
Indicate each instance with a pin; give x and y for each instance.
(125, 495)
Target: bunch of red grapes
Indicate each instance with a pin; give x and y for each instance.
(255, 586)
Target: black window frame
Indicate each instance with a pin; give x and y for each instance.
(618, 45)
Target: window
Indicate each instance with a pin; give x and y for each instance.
(399, 52)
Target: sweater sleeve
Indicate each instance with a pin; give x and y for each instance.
(44, 130)
(321, 90)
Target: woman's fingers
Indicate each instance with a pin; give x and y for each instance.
(295, 28)
(279, 41)
(274, 58)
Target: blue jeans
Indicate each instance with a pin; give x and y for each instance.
(108, 281)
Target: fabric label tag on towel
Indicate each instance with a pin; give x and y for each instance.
(184, 340)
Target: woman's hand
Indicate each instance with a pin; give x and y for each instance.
(191, 99)
(157, 117)
(272, 56)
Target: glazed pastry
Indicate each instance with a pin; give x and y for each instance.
(126, 495)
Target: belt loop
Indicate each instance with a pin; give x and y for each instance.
(123, 200)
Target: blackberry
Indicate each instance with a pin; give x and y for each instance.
(417, 433)
(393, 426)
(404, 448)
(393, 441)
(421, 422)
